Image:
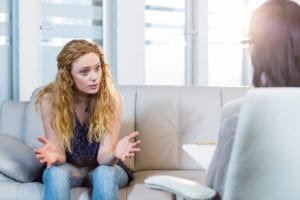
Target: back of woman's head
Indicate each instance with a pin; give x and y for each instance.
(275, 44)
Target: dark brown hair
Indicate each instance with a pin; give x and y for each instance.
(275, 44)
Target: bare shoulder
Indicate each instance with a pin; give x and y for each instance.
(46, 103)
(47, 97)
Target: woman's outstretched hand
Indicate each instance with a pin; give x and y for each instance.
(49, 153)
(126, 147)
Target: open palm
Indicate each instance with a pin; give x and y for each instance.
(48, 154)
(127, 148)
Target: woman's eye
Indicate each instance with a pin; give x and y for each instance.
(98, 68)
(84, 72)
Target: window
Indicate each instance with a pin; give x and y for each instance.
(64, 20)
(208, 52)
(226, 28)
(5, 50)
(165, 42)
(228, 61)
(182, 42)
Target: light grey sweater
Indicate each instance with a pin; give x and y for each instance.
(218, 168)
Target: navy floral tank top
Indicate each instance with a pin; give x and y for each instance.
(83, 153)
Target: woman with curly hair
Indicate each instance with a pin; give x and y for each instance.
(81, 114)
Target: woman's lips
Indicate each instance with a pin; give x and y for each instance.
(94, 86)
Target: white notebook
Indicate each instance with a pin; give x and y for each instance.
(201, 153)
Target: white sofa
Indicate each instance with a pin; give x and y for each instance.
(166, 117)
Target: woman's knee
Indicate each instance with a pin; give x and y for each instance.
(104, 172)
(57, 183)
(56, 173)
(105, 183)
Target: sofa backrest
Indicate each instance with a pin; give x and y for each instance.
(12, 118)
(166, 117)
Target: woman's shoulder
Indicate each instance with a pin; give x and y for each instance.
(43, 96)
(45, 93)
(47, 96)
(44, 100)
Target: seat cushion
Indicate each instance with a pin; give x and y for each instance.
(17, 160)
(83, 193)
(5, 178)
(22, 191)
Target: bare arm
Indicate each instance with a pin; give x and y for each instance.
(106, 152)
(51, 153)
(112, 148)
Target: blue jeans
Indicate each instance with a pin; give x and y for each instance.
(105, 181)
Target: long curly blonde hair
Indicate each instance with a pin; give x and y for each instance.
(101, 105)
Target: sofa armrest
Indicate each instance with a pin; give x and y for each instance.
(17, 160)
(184, 188)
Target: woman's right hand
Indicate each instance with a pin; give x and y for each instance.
(126, 147)
(49, 153)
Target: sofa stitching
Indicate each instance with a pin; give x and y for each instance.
(135, 117)
(23, 125)
(17, 189)
(221, 96)
(178, 164)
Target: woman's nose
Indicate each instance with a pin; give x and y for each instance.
(94, 76)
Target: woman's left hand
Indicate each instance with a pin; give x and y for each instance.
(126, 147)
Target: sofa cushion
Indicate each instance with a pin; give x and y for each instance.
(9, 190)
(158, 124)
(5, 178)
(17, 160)
(168, 117)
(32, 191)
(128, 116)
(199, 119)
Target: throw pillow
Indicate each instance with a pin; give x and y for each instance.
(17, 160)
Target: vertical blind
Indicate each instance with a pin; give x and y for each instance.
(64, 20)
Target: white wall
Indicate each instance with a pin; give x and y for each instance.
(29, 47)
(130, 42)
(200, 54)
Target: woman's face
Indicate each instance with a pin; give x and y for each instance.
(86, 72)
